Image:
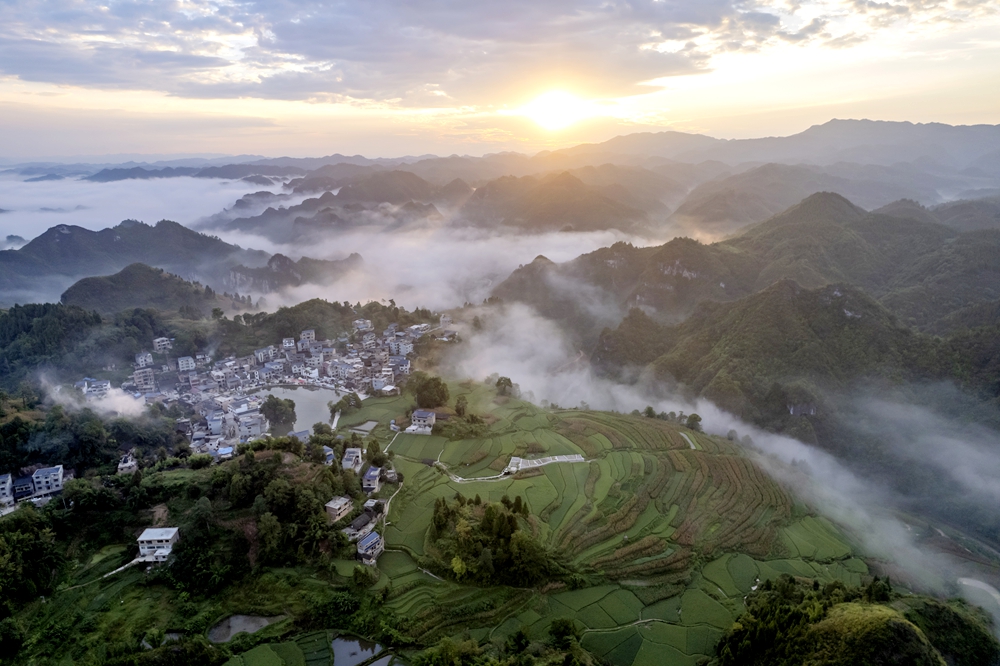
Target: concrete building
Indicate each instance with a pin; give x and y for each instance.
(339, 508)
(370, 547)
(6, 489)
(372, 480)
(353, 459)
(143, 359)
(161, 345)
(185, 364)
(47, 480)
(157, 542)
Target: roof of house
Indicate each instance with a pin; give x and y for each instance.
(423, 414)
(158, 533)
(369, 540)
(301, 435)
(373, 473)
(338, 502)
(47, 470)
(5, 477)
(361, 521)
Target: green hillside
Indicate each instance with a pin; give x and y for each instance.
(922, 271)
(139, 286)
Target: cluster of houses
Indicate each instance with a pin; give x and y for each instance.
(40, 485)
(365, 362)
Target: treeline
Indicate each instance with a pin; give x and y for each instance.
(482, 542)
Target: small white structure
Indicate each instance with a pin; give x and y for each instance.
(339, 508)
(362, 325)
(127, 465)
(142, 359)
(161, 345)
(288, 344)
(155, 543)
(185, 364)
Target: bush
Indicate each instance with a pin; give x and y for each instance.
(199, 461)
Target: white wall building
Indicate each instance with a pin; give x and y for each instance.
(157, 542)
(185, 364)
(47, 480)
(161, 345)
(142, 359)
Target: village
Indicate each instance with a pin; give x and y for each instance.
(223, 400)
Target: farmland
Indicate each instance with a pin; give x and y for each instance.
(669, 529)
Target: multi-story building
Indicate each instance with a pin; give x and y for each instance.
(6, 489)
(185, 364)
(161, 345)
(370, 547)
(157, 542)
(339, 508)
(143, 359)
(371, 482)
(47, 480)
(144, 379)
(353, 459)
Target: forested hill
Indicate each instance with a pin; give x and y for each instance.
(924, 272)
(140, 286)
(64, 253)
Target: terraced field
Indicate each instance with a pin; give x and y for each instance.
(670, 529)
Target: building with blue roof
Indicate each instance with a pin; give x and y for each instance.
(372, 480)
(370, 547)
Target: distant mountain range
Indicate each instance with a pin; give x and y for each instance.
(48, 265)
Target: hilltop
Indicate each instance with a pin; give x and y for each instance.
(139, 286)
(64, 254)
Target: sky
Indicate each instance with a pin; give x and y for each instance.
(390, 78)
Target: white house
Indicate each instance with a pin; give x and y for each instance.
(288, 344)
(6, 489)
(185, 364)
(161, 345)
(400, 347)
(127, 464)
(157, 542)
(370, 547)
(47, 480)
(352, 460)
(362, 324)
(308, 334)
(339, 508)
(142, 359)
(253, 425)
(422, 422)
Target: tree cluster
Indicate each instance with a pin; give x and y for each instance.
(483, 542)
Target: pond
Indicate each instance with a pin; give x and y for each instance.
(234, 624)
(310, 403)
(350, 651)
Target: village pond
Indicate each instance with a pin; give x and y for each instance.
(310, 404)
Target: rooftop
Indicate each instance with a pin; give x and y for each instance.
(373, 472)
(423, 414)
(158, 533)
(369, 540)
(48, 470)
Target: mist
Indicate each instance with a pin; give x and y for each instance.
(31, 208)
(434, 266)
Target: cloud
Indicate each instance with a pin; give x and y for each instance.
(414, 53)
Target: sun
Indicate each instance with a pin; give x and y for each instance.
(556, 110)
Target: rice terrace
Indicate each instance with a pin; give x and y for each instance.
(658, 535)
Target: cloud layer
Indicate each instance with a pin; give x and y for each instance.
(426, 53)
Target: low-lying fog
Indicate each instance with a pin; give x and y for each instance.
(31, 208)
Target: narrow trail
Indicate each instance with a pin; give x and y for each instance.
(688, 439)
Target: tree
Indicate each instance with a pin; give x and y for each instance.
(694, 422)
(504, 385)
(278, 411)
(461, 405)
(649, 412)
(432, 393)
(269, 530)
(217, 313)
(563, 633)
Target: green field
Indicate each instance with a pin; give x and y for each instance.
(670, 537)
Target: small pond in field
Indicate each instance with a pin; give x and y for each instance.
(350, 651)
(224, 631)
